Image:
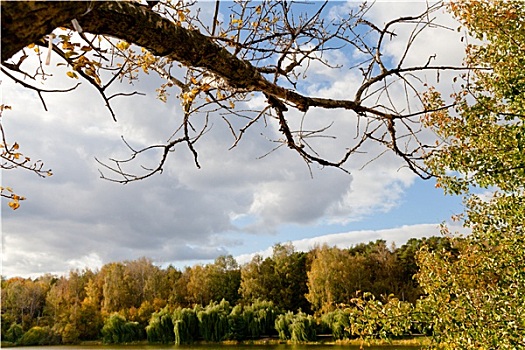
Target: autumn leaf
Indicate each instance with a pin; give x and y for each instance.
(72, 75)
(182, 16)
(14, 205)
(123, 45)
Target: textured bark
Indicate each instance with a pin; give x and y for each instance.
(25, 22)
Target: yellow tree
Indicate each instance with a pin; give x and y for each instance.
(334, 277)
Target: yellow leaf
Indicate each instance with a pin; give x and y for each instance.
(16, 146)
(14, 205)
(237, 21)
(30, 46)
(232, 105)
(72, 75)
(193, 80)
(258, 9)
(66, 45)
(182, 16)
(122, 45)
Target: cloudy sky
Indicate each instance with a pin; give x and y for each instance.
(237, 203)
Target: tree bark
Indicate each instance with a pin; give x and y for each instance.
(25, 22)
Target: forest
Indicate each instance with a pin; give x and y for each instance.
(293, 295)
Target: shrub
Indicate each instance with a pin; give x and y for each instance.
(39, 336)
(14, 333)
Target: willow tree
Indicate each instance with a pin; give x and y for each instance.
(262, 51)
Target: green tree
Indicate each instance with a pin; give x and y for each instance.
(253, 321)
(256, 279)
(290, 280)
(214, 282)
(226, 277)
(117, 330)
(186, 325)
(280, 278)
(39, 336)
(13, 333)
(475, 298)
(214, 321)
(297, 328)
(160, 328)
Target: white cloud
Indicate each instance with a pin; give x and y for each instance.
(73, 218)
(397, 235)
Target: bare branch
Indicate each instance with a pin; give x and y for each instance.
(39, 91)
(266, 49)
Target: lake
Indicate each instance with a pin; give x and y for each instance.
(217, 347)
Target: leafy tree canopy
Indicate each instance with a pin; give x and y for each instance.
(476, 297)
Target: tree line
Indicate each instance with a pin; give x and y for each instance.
(137, 300)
